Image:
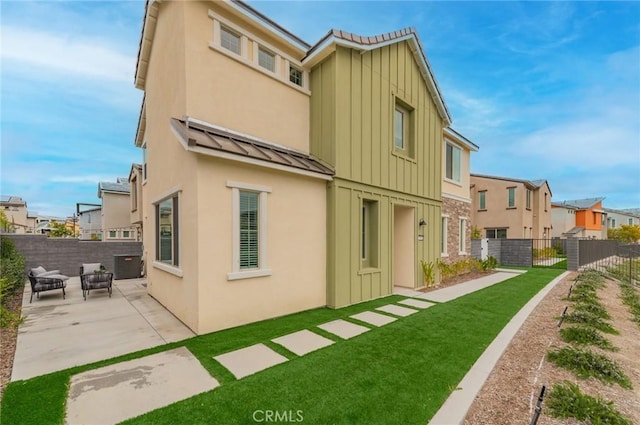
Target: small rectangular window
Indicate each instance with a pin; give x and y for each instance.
(462, 236)
(134, 194)
(144, 161)
(443, 235)
(369, 234)
(545, 202)
(452, 162)
(399, 132)
(266, 59)
(295, 76)
(613, 222)
(113, 234)
(249, 232)
(512, 197)
(483, 200)
(528, 200)
(230, 40)
(126, 234)
(167, 231)
(630, 222)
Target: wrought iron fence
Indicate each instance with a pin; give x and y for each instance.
(550, 253)
(621, 260)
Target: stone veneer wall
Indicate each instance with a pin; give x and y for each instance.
(455, 210)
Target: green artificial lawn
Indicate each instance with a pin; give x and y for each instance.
(400, 373)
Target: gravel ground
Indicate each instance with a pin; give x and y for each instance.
(509, 396)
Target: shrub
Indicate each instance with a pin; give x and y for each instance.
(544, 252)
(582, 335)
(566, 400)
(595, 309)
(489, 264)
(589, 319)
(11, 265)
(631, 298)
(585, 364)
(427, 270)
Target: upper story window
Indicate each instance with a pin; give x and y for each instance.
(483, 200)
(630, 222)
(230, 40)
(528, 199)
(545, 202)
(511, 193)
(402, 128)
(144, 161)
(295, 76)
(266, 59)
(452, 162)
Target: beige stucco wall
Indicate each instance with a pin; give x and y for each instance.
(296, 246)
(563, 219)
(231, 94)
(169, 166)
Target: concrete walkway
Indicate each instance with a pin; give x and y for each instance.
(58, 334)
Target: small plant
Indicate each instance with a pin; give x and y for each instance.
(489, 264)
(567, 401)
(595, 309)
(585, 364)
(631, 299)
(589, 319)
(582, 335)
(476, 233)
(428, 271)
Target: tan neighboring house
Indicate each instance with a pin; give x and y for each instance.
(89, 221)
(116, 211)
(511, 208)
(580, 218)
(135, 196)
(15, 209)
(455, 236)
(280, 176)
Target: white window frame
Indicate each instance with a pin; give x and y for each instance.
(169, 268)
(456, 173)
(509, 205)
(291, 67)
(144, 162)
(225, 29)
(399, 110)
(261, 49)
(115, 233)
(462, 236)
(528, 198)
(263, 269)
(482, 198)
(444, 242)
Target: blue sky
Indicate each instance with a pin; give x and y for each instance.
(547, 90)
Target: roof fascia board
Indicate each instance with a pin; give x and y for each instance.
(142, 123)
(329, 44)
(460, 139)
(147, 33)
(267, 26)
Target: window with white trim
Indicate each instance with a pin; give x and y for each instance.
(266, 59)
(126, 234)
(113, 234)
(452, 162)
(249, 230)
(144, 161)
(230, 40)
(295, 76)
(483, 200)
(444, 235)
(168, 231)
(528, 199)
(630, 222)
(462, 236)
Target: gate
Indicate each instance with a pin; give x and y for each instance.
(550, 253)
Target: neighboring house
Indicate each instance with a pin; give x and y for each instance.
(580, 218)
(455, 236)
(15, 209)
(90, 221)
(43, 223)
(115, 211)
(135, 196)
(616, 218)
(281, 176)
(511, 208)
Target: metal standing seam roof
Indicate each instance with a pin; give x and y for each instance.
(200, 135)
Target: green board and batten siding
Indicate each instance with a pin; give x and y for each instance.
(352, 129)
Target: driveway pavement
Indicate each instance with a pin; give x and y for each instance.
(58, 334)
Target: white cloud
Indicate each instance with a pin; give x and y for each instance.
(49, 51)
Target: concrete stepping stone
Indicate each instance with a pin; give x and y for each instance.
(303, 342)
(397, 310)
(375, 319)
(343, 329)
(416, 303)
(249, 360)
(114, 393)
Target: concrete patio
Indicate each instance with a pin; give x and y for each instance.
(61, 333)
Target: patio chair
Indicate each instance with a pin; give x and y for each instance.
(43, 280)
(95, 276)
